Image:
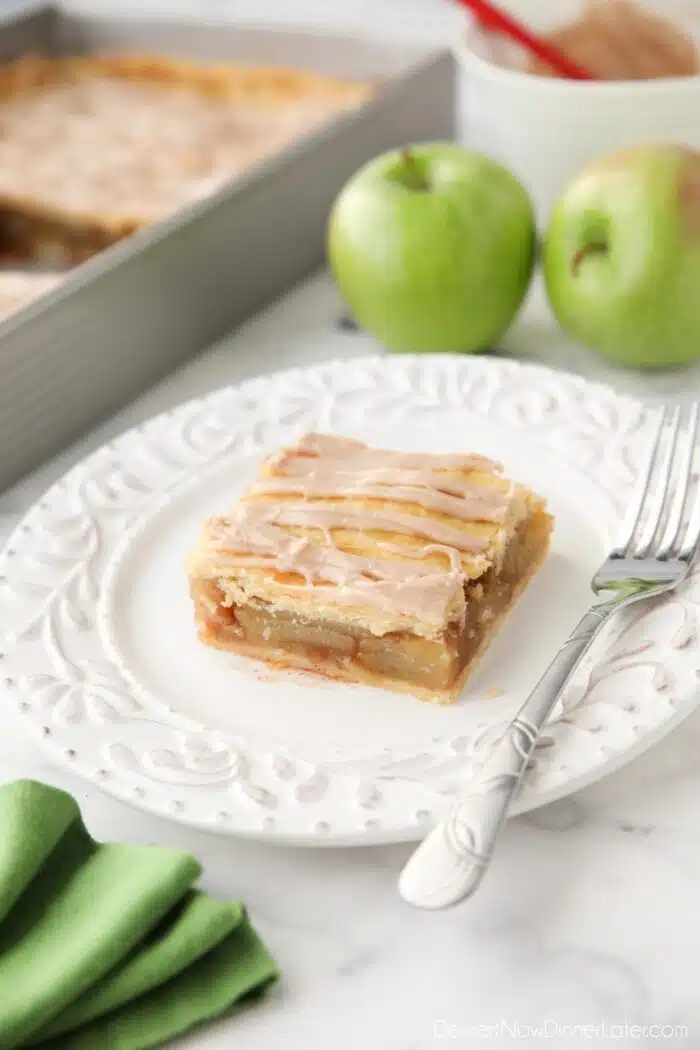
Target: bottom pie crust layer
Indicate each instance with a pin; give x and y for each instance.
(432, 669)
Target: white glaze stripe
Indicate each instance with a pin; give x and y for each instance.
(327, 445)
(358, 519)
(340, 471)
(357, 576)
(298, 554)
(466, 508)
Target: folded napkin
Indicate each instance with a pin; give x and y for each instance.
(108, 947)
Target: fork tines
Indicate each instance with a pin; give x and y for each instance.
(664, 518)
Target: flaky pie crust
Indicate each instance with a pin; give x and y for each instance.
(260, 86)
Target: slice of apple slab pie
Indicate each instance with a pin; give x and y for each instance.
(394, 569)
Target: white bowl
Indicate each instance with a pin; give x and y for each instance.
(544, 129)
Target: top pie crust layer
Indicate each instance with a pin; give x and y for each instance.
(126, 141)
(388, 540)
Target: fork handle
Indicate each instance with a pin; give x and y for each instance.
(450, 863)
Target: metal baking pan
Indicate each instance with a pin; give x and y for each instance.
(126, 318)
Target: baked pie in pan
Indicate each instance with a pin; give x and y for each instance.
(94, 148)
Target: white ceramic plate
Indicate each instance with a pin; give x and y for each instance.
(101, 658)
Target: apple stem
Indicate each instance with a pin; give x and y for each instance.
(417, 178)
(595, 248)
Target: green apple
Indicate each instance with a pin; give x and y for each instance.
(433, 248)
(622, 256)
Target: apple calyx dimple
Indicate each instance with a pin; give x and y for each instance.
(594, 248)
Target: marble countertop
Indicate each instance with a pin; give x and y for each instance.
(587, 930)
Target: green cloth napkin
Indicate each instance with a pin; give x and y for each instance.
(106, 946)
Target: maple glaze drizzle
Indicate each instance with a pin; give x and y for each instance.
(355, 578)
(450, 553)
(254, 534)
(364, 456)
(249, 515)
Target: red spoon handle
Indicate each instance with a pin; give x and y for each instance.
(494, 19)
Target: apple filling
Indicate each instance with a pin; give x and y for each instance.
(433, 667)
(55, 242)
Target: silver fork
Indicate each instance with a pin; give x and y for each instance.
(660, 541)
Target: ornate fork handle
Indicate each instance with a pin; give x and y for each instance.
(450, 862)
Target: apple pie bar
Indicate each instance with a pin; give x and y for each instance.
(93, 148)
(389, 568)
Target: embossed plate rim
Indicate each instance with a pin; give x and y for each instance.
(248, 784)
